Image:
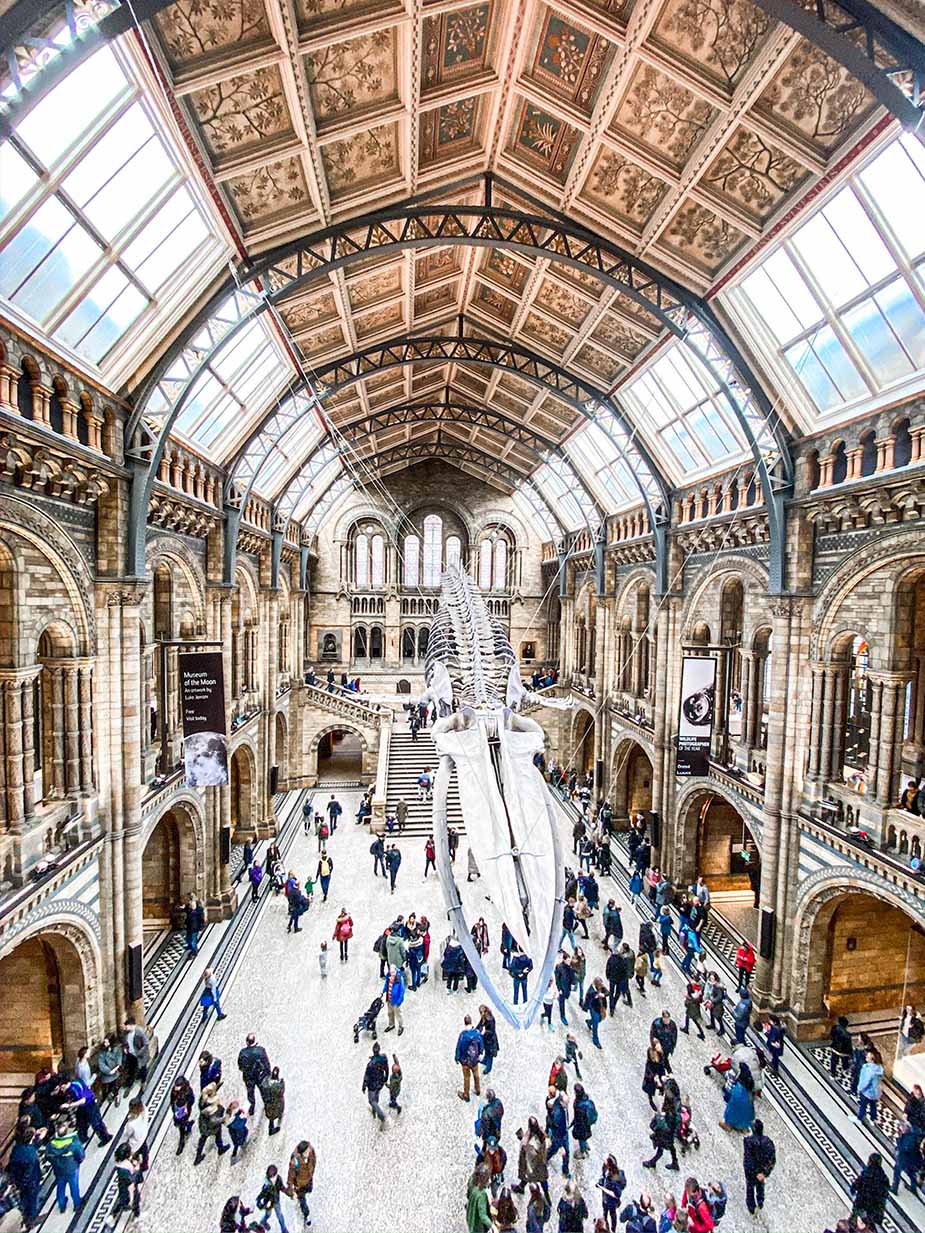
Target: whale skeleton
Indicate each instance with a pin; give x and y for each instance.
(510, 823)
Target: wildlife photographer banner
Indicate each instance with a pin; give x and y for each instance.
(695, 723)
(202, 697)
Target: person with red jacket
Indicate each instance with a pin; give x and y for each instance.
(430, 855)
(745, 963)
(343, 931)
(699, 1216)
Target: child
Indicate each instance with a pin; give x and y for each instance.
(395, 1084)
(308, 888)
(129, 1178)
(572, 1053)
(717, 1199)
(557, 1076)
(640, 967)
(237, 1128)
(655, 974)
(323, 959)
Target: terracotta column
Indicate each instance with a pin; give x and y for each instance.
(13, 733)
(28, 750)
(815, 722)
(85, 701)
(828, 720)
(71, 731)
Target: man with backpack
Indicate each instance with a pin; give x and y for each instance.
(469, 1050)
(254, 1066)
(377, 852)
(699, 1217)
(424, 785)
(375, 1078)
(521, 967)
(393, 860)
(759, 1158)
(323, 873)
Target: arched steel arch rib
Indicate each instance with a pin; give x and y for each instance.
(654, 487)
(411, 225)
(871, 46)
(431, 412)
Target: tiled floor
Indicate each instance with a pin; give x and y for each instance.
(413, 1177)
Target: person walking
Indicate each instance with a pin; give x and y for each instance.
(377, 851)
(595, 1005)
(323, 872)
(693, 1000)
(255, 877)
(211, 995)
(109, 1061)
(611, 1186)
(532, 1165)
(343, 932)
(136, 1130)
(393, 994)
(572, 1209)
(539, 1210)
(613, 923)
(480, 939)
(758, 1160)
(430, 855)
(564, 978)
(401, 813)
(584, 1115)
(654, 1074)
(237, 1128)
(273, 1094)
(742, 1015)
(25, 1172)
(268, 1199)
(254, 1066)
(393, 860)
(300, 1178)
(745, 963)
(662, 1134)
(129, 1177)
(478, 1207)
(520, 969)
(870, 1083)
(739, 1113)
(871, 1188)
(908, 1157)
(557, 1127)
(714, 1001)
(488, 1031)
(210, 1069)
(137, 1053)
(841, 1047)
(375, 1078)
(665, 1031)
(469, 1052)
(65, 1153)
(195, 923)
(334, 810)
(210, 1123)
(395, 1082)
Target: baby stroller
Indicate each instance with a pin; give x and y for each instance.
(367, 1021)
(687, 1136)
(720, 1065)
(278, 878)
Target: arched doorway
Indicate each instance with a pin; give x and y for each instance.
(281, 748)
(866, 959)
(340, 756)
(631, 781)
(727, 855)
(160, 872)
(241, 780)
(581, 755)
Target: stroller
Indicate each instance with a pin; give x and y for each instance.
(278, 878)
(367, 1021)
(687, 1136)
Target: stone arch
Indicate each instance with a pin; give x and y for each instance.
(20, 520)
(185, 562)
(629, 789)
(581, 752)
(281, 746)
(242, 778)
(643, 575)
(752, 575)
(328, 731)
(818, 899)
(689, 859)
(173, 859)
(68, 930)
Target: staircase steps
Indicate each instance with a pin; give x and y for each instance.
(407, 759)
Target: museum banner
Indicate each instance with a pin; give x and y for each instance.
(695, 724)
(202, 697)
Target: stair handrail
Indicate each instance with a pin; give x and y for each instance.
(380, 796)
(373, 711)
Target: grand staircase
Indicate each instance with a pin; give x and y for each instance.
(407, 759)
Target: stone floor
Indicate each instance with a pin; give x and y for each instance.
(413, 1177)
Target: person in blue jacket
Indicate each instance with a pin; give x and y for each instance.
(25, 1172)
(469, 1050)
(908, 1157)
(521, 967)
(65, 1153)
(393, 994)
(557, 1128)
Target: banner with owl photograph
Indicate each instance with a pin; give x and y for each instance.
(695, 723)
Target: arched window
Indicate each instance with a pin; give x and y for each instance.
(433, 549)
(375, 642)
(500, 572)
(407, 642)
(485, 565)
(360, 643)
(453, 551)
(361, 560)
(378, 561)
(412, 561)
(423, 636)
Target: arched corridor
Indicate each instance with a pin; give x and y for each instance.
(340, 756)
(581, 752)
(168, 867)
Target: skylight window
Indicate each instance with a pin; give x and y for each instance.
(561, 490)
(96, 214)
(842, 299)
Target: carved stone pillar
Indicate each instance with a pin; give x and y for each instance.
(893, 698)
(9, 378)
(28, 750)
(873, 754)
(85, 703)
(41, 404)
(815, 722)
(828, 721)
(69, 413)
(13, 742)
(71, 731)
(56, 744)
